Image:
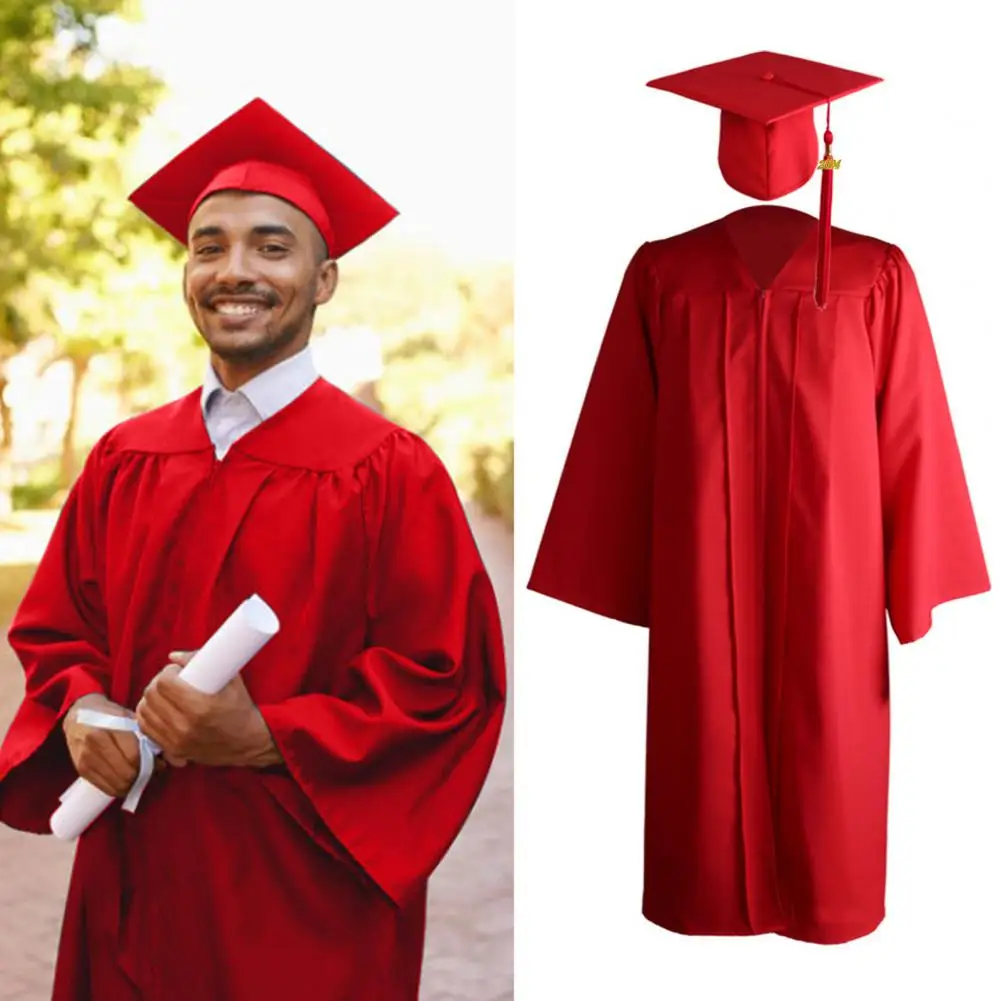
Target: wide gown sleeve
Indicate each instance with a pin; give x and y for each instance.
(931, 543)
(595, 549)
(59, 634)
(395, 759)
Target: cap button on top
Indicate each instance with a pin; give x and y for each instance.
(768, 75)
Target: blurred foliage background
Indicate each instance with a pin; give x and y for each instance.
(93, 328)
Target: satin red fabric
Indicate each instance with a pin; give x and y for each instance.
(759, 482)
(384, 691)
(767, 141)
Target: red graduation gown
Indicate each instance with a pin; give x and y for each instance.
(384, 691)
(758, 482)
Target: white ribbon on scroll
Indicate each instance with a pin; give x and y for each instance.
(213, 667)
(148, 749)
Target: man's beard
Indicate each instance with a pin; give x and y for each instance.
(267, 346)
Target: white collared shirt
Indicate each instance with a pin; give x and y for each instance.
(228, 416)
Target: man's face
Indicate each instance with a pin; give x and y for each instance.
(254, 276)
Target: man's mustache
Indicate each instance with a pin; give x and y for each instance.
(245, 292)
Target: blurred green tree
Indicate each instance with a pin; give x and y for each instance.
(449, 376)
(66, 116)
(131, 314)
(390, 286)
(448, 358)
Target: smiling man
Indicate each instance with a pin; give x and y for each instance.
(250, 327)
(284, 849)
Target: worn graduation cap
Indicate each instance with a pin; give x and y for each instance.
(768, 143)
(259, 150)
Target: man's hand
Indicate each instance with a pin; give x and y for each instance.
(108, 759)
(221, 729)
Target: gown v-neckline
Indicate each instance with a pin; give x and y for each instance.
(802, 238)
(258, 431)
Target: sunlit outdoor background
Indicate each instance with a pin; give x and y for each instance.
(94, 96)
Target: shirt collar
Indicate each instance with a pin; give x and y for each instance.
(274, 388)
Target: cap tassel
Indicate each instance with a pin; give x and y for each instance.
(827, 167)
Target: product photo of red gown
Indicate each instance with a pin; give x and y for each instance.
(384, 691)
(758, 481)
(764, 469)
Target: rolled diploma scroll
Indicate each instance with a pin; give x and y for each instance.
(213, 667)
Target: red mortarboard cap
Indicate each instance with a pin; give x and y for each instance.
(259, 150)
(768, 143)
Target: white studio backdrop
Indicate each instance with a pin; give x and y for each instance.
(604, 163)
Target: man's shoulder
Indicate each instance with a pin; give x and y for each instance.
(356, 431)
(327, 431)
(167, 428)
